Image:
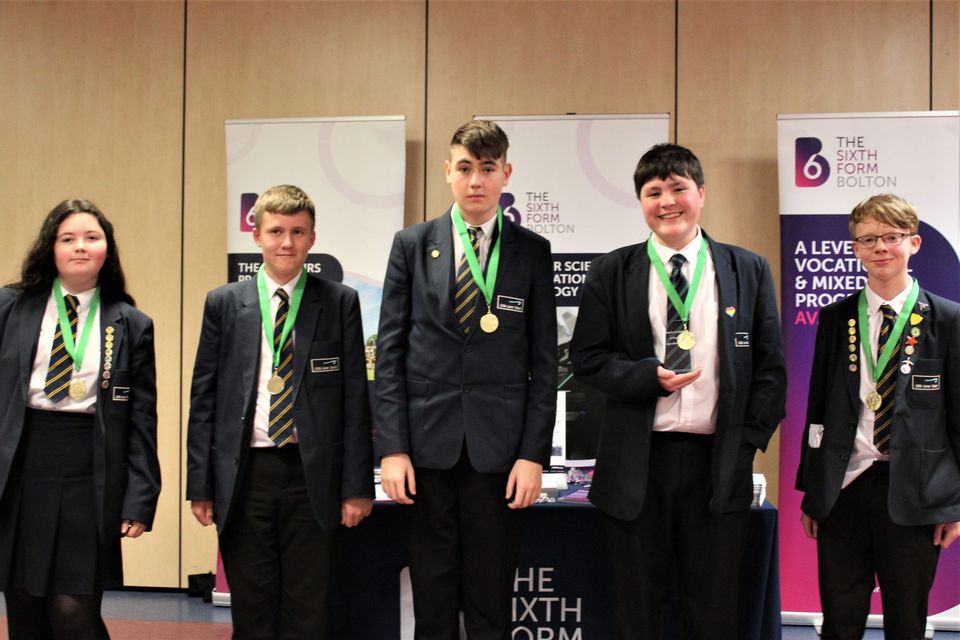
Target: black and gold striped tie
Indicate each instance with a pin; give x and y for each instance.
(280, 428)
(675, 358)
(466, 289)
(61, 364)
(886, 385)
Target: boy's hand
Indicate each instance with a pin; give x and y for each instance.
(523, 484)
(396, 477)
(671, 380)
(945, 533)
(132, 528)
(353, 510)
(810, 526)
(203, 511)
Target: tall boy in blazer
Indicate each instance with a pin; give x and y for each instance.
(466, 391)
(880, 461)
(279, 445)
(681, 334)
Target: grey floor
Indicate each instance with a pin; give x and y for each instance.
(152, 607)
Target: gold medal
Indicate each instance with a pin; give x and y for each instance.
(275, 384)
(78, 390)
(686, 340)
(874, 400)
(489, 322)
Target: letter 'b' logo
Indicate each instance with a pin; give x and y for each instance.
(812, 169)
(247, 200)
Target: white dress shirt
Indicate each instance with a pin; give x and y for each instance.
(485, 242)
(693, 408)
(89, 371)
(261, 416)
(864, 452)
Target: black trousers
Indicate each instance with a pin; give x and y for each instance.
(676, 541)
(859, 540)
(463, 542)
(277, 558)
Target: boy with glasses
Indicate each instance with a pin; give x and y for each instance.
(880, 464)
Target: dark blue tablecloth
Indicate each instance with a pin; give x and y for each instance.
(562, 578)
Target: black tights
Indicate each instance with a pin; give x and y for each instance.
(55, 617)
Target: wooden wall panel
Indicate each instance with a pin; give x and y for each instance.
(741, 63)
(91, 106)
(946, 54)
(273, 60)
(542, 58)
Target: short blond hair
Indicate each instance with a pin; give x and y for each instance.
(885, 208)
(284, 199)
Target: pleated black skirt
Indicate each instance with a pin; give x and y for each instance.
(49, 508)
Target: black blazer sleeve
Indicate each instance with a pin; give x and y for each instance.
(598, 350)
(541, 415)
(357, 477)
(143, 466)
(768, 389)
(391, 429)
(203, 404)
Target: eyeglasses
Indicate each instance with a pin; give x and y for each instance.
(889, 239)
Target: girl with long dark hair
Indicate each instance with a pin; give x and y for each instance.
(78, 454)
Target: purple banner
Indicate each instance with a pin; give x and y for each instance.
(818, 267)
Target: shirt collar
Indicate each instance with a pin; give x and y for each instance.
(688, 251)
(272, 285)
(83, 298)
(487, 227)
(874, 301)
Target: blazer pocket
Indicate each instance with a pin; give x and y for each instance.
(940, 478)
(924, 384)
(325, 364)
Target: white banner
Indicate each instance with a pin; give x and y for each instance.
(352, 168)
(827, 164)
(572, 183)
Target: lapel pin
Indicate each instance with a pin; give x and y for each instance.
(435, 253)
(915, 319)
(730, 311)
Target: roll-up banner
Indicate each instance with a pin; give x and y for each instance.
(352, 168)
(827, 164)
(572, 183)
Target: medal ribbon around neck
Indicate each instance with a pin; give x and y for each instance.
(75, 351)
(892, 339)
(682, 306)
(486, 285)
(267, 318)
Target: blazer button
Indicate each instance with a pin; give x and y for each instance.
(466, 389)
(844, 458)
(236, 461)
(468, 349)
